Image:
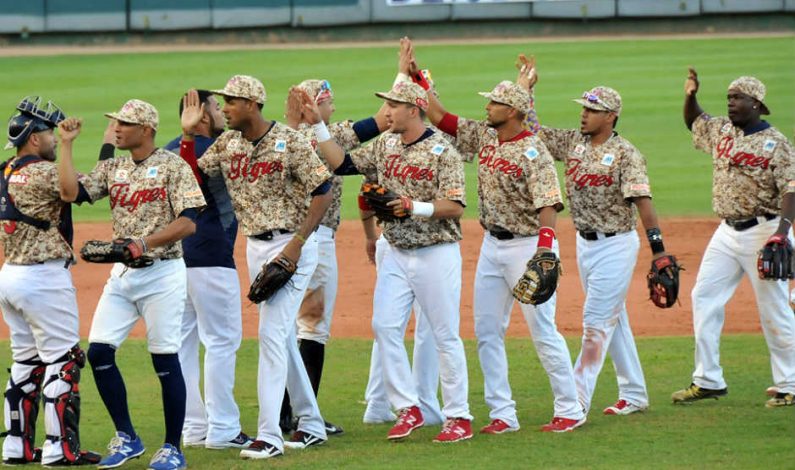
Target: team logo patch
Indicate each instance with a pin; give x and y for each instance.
(454, 193)
(280, 146)
(770, 145)
(120, 176)
(579, 149)
(437, 149)
(391, 142)
(639, 187)
(531, 153)
(320, 170)
(151, 172)
(726, 128)
(195, 193)
(607, 159)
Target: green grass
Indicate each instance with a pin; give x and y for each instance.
(737, 431)
(648, 73)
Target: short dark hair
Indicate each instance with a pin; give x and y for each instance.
(204, 95)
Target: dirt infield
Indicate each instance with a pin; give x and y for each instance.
(686, 238)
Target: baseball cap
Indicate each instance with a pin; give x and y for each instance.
(601, 98)
(136, 112)
(753, 87)
(244, 86)
(508, 93)
(320, 90)
(406, 92)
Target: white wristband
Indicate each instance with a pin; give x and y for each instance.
(321, 132)
(422, 209)
(401, 77)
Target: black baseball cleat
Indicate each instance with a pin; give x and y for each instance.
(14, 461)
(694, 393)
(260, 450)
(333, 429)
(302, 440)
(84, 458)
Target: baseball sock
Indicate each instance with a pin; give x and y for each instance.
(110, 385)
(172, 386)
(313, 354)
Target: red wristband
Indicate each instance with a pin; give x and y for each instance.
(546, 236)
(420, 80)
(363, 204)
(449, 124)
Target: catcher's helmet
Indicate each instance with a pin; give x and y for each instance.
(32, 117)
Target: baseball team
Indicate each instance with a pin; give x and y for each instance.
(176, 212)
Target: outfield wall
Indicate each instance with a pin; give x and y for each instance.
(45, 16)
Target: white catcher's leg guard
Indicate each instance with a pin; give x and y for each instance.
(21, 408)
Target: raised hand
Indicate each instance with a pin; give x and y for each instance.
(691, 84)
(192, 112)
(109, 137)
(309, 108)
(405, 56)
(293, 108)
(527, 76)
(69, 129)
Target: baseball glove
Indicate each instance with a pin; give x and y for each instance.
(663, 281)
(121, 250)
(272, 277)
(775, 259)
(540, 280)
(377, 197)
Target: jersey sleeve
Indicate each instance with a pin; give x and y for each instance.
(210, 162)
(634, 178)
(342, 132)
(184, 191)
(468, 138)
(305, 166)
(557, 141)
(544, 180)
(706, 130)
(451, 176)
(364, 159)
(96, 182)
(784, 168)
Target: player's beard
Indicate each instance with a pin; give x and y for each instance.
(494, 123)
(48, 154)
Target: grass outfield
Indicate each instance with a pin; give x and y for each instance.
(648, 73)
(737, 431)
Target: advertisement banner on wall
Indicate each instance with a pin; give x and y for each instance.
(468, 2)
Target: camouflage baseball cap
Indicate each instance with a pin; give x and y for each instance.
(136, 112)
(508, 93)
(753, 87)
(320, 90)
(601, 98)
(244, 86)
(407, 92)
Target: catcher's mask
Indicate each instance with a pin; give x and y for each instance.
(32, 117)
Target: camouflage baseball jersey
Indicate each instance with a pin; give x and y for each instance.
(424, 171)
(749, 173)
(515, 178)
(147, 196)
(268, 183)
(34, 189)
(342, 132)
(599, 179)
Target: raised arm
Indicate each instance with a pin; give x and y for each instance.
(68, 130)
(691, 110)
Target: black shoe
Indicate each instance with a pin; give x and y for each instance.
(694, 393)
(333, 429)
(84, 458)
(288, 424)
(302, 440)
(260, 450)
(13, 461)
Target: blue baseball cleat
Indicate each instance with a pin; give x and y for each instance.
(122, 448)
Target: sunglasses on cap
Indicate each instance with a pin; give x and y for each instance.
(592, 98)
(324, 92)
(49, 113)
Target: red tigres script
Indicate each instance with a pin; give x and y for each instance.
(725, 147)
(120, 195)
(582, 179)
(239, 166)
(395, 170)
(486, 159)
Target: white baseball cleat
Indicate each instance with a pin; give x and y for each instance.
(623, 407)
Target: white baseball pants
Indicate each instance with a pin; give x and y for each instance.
(314, 317)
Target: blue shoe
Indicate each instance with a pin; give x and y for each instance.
(168, 458)
(122, 449)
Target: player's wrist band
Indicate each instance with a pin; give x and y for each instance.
(299, 237)
(321, 132)
(422, 209)
(363, 205)
(143, 245)
(655, 240)
(419, 79)
(546, 236)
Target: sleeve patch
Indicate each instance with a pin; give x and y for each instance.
(531, 153)
(192, 194)
(454, 193)
(639, 187)
(320, 170)
(437, 149)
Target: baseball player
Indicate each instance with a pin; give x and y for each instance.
(606, 181)
(423, 260)
(314, 316)
(519, 197)
(270, 171)
(37, 296)
(753, 191)
(154, 200)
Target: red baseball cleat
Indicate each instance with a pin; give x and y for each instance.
(497, 426)
(562, 425)
(408, 420)
(454, 430)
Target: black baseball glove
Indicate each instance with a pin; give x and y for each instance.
(272, 277)
(775, 259)
(663, 281)
(121, 250)
(377, 198)
(540, 280)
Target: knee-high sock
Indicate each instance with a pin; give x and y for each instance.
(172, 386)
(313, 354)
(110, 385)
